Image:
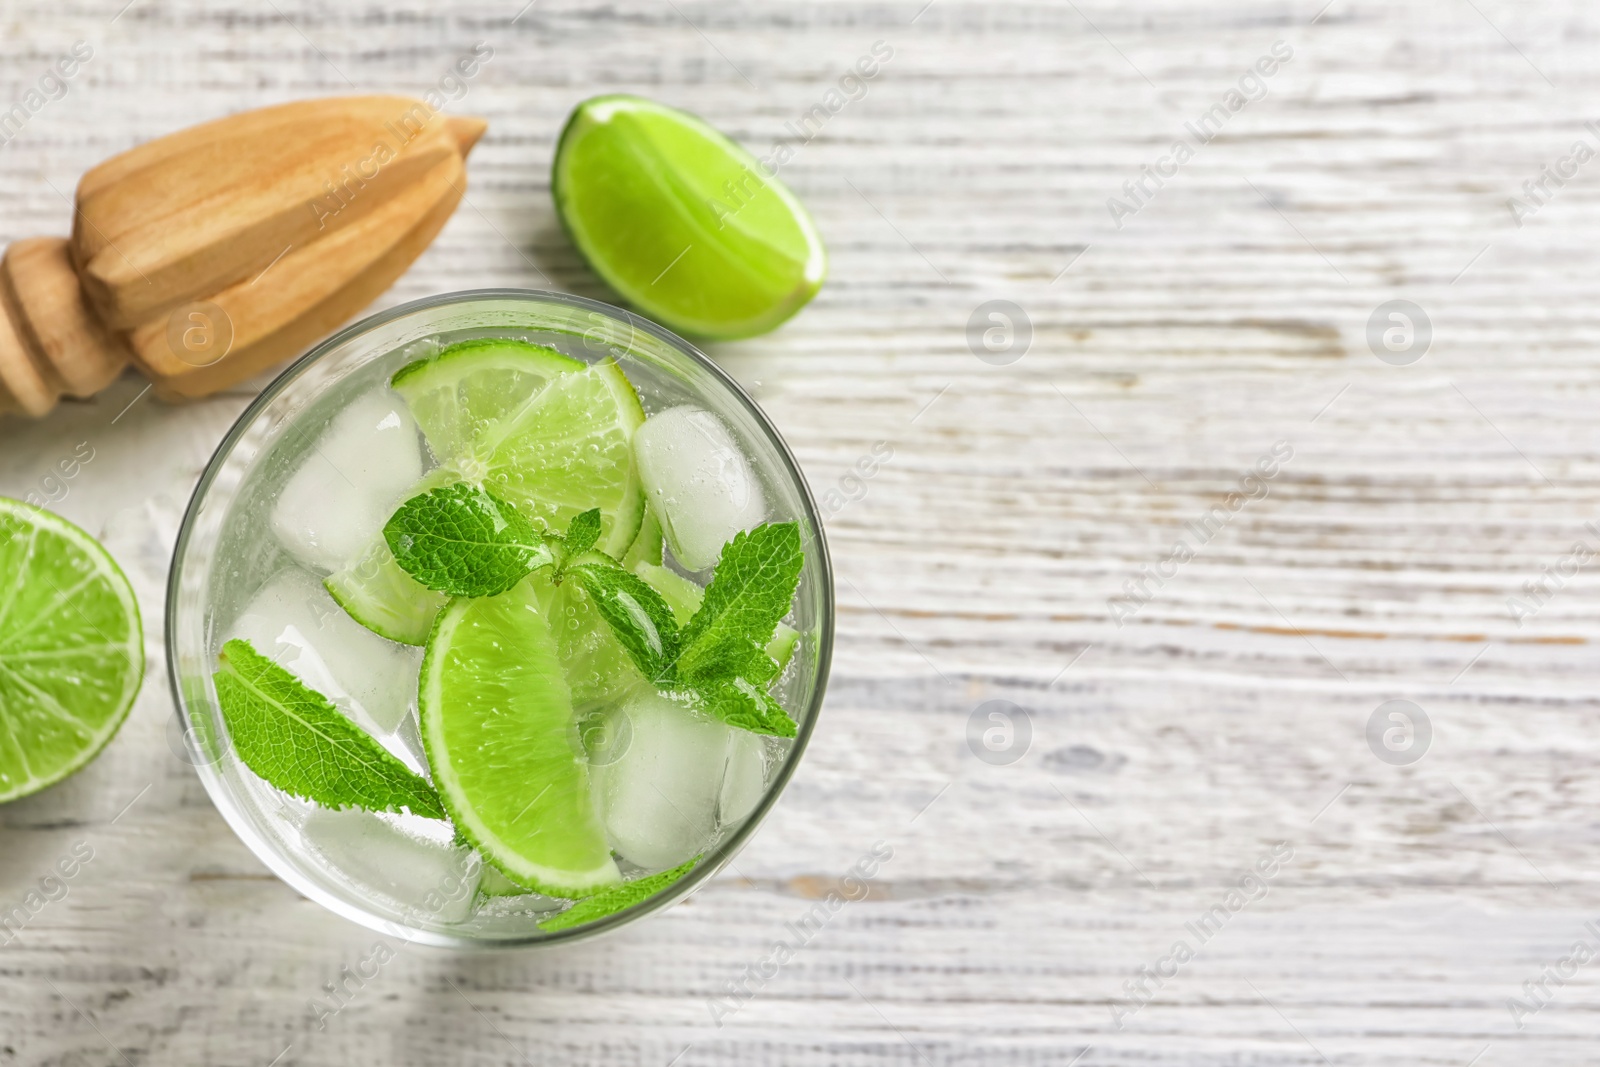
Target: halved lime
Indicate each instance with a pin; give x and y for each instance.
(71, 649)
(498, 725)
(686, 225)
(549, 433)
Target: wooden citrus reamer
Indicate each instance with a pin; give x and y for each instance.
(210, 254)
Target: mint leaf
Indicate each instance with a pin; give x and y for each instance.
(720, 659)
(582, 532)
(742, 704)
(614, 900)
(640, 619)
(296, 740)
(465, 541)
(749, 594)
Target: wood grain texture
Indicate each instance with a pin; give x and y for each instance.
(1168, 753)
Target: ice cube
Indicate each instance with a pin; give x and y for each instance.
(349, 483)
(294, 622)
(745, 779)
(411, 860)
(699, 484)
(659, 800)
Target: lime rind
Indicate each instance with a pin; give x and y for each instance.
(48, 678)
(378, 594)
(648, 545)
(628, 521)
(508, 349)
(465, 785)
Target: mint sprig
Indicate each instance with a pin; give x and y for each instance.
(296, 740)
(719, 660)
(582, 532)
(463, 540)
(749, 595)
(466, 541)
(636, 613)
(747, 706)
(611, 901)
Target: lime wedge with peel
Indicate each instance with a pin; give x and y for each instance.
(686, 225)
(472, 389)
(502, 741)
(377, 593)
(549, 433)
(71, 649)
(598, 670)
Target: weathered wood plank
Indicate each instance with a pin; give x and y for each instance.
(1169, 753)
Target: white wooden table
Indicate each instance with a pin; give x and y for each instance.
(1226, 714)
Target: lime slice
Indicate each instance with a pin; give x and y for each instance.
(684, 597)
(647, 547)
(71, 649)
(571, 449)
(598, 669)
(501, 738)
(550, 433)
(681, 221)
(471, 389)
(377, 593)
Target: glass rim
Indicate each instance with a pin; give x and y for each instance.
(222, 795)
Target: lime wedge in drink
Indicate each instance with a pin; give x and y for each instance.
(471, 389)
(549, 433)
(545, 431)
(501, 737)
(686, 225)
(71, 649)
(598, 669)
(648, 546)
(377, 593)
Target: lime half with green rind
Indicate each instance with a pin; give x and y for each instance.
(685, 224)
(71, 649)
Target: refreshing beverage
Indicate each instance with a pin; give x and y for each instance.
(501, 617)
